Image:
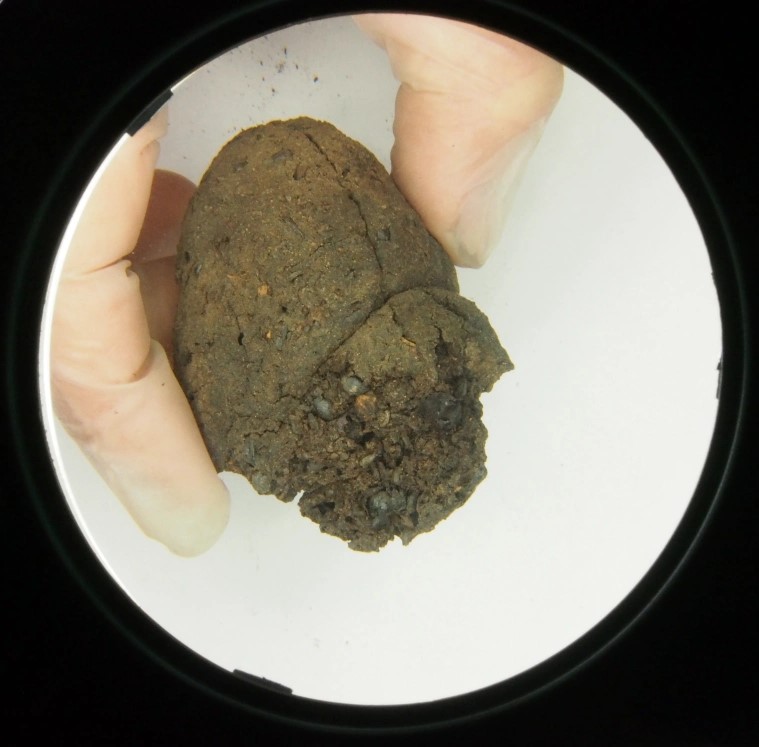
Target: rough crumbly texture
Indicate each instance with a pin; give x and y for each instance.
(321, 339)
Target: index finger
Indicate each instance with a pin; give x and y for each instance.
(112, 386)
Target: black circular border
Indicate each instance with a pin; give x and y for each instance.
(76, 554)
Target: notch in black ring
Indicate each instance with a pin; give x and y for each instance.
(147, 113)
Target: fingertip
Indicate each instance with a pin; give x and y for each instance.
(154, 129)
(464, 253)
(199, 530)
(368, 23)
(471, 260)
(189, 524)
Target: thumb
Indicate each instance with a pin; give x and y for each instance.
(470, 110)
(113, 387)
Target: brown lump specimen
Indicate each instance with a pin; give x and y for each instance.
(321, 339)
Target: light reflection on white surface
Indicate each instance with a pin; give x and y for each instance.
(602, 294)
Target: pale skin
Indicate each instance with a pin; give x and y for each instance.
(470, 109)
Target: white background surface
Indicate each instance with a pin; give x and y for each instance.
(602, 294)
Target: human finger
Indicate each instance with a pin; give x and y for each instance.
(154, 256)
(470, 110)
(112, 385)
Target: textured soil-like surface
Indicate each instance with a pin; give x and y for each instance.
(321, 339)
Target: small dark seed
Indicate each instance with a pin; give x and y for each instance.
(323, 408)
(442, 411)
(405, 521)
(364, 437)
(355, 317)
(290, 223)
(353, 385)
(461, 388)
(367, 460)
(282, 155)
(282, 334)
(250, 453)
(385, 502)
(353, 430)
(411, 501)
(261, 483)
(378, 503)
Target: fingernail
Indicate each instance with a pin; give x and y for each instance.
(148, 112)
(487, 204)
(187, 523)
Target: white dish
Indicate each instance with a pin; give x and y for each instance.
(601, 292)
